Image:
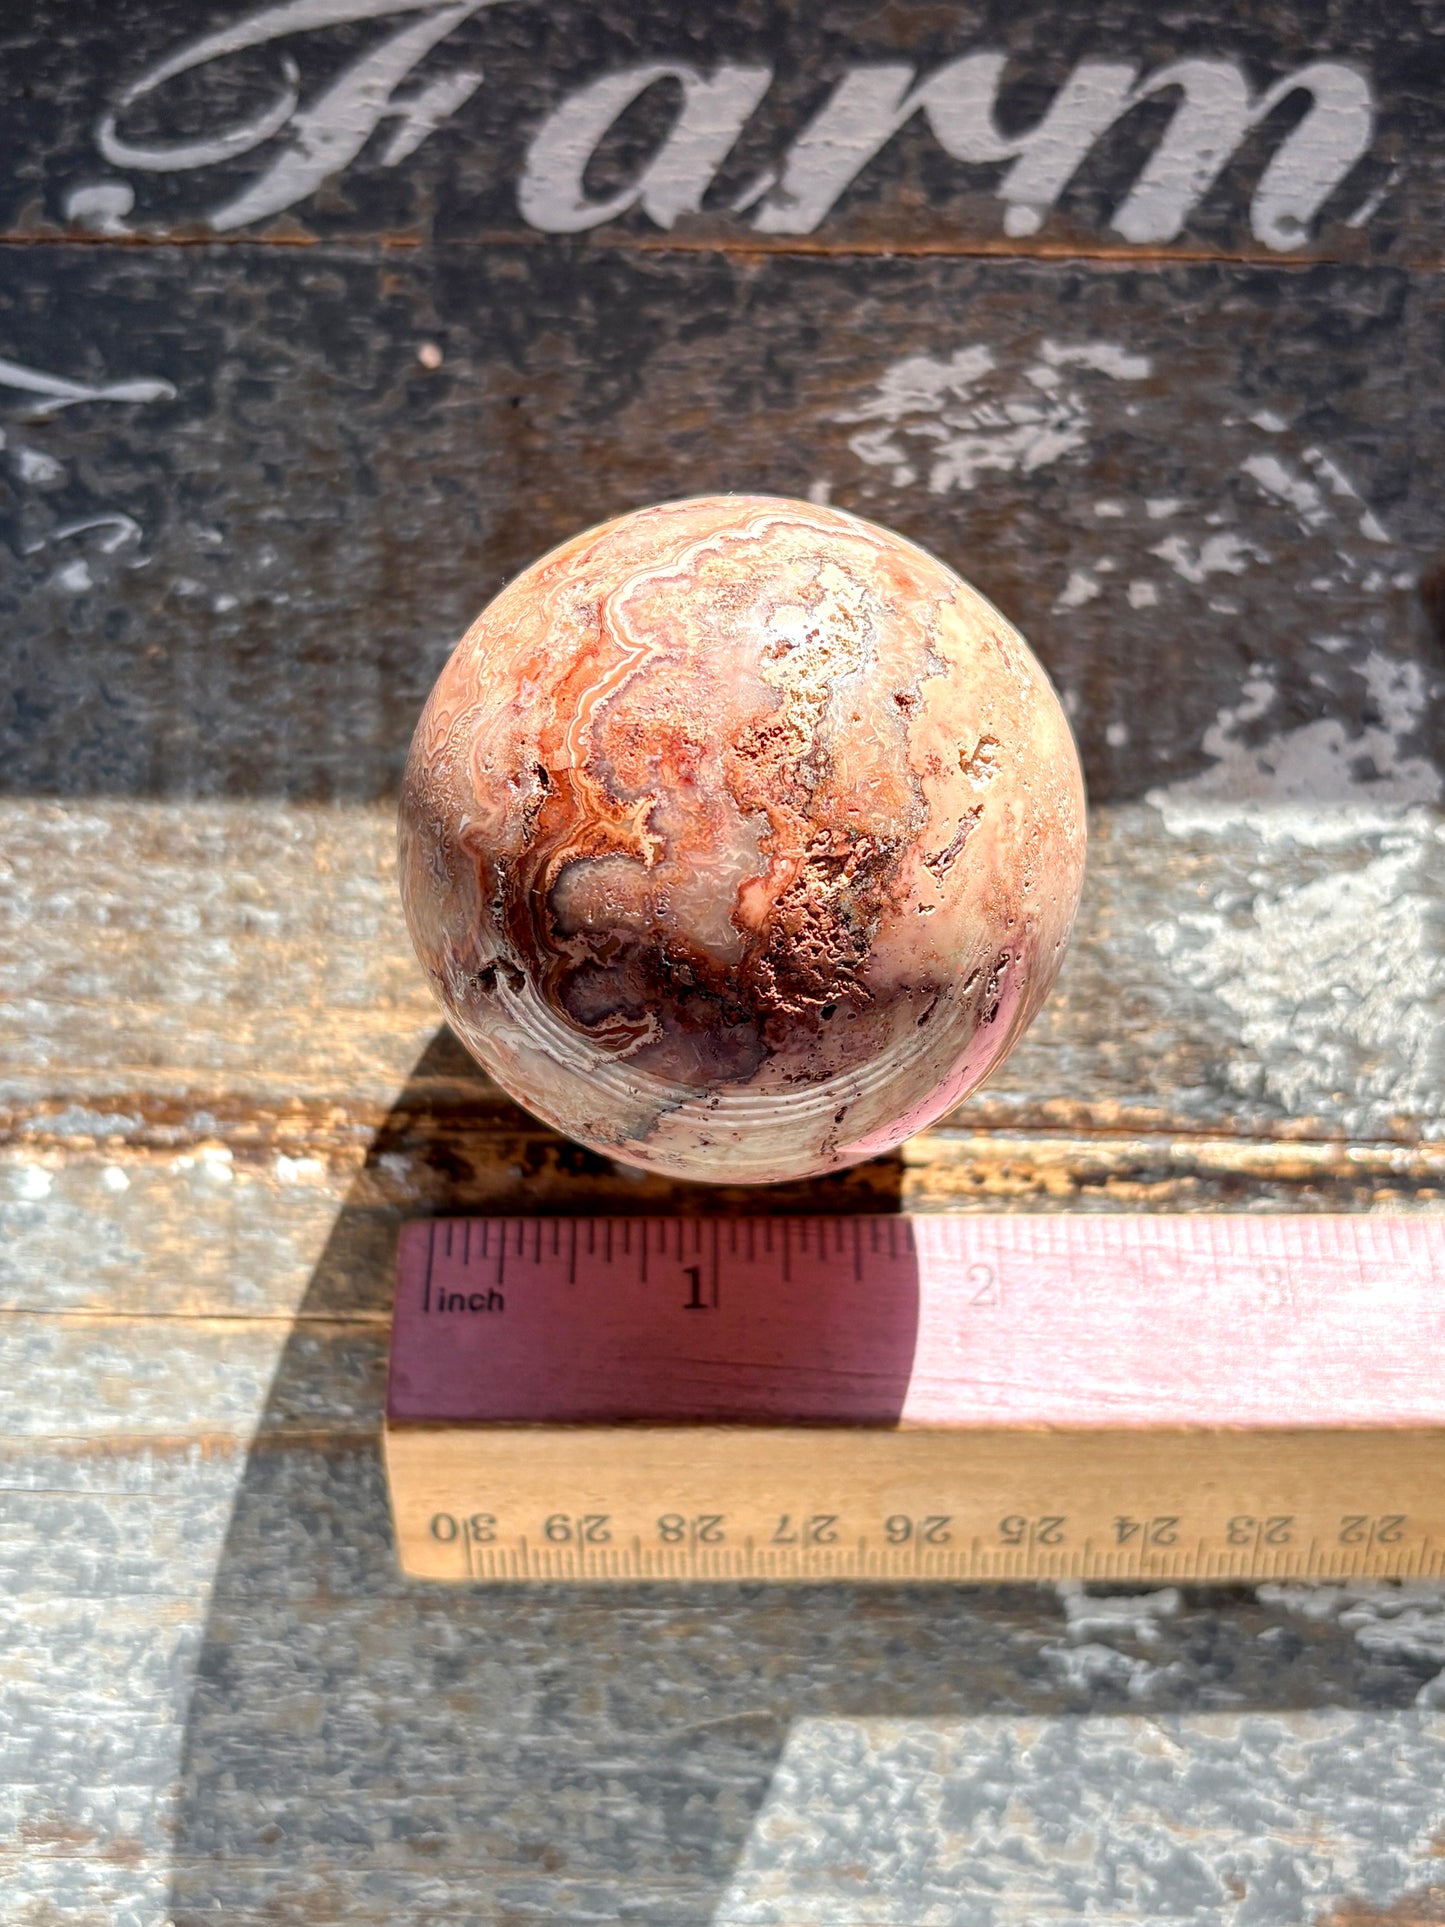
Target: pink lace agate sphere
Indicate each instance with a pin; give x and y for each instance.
(740, 838)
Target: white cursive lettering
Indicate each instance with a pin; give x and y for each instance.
(713, 114)
(326, 136)
(1214, 111)
(58, 391)
(870, 105)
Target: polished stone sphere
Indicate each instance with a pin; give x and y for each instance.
(740, 838)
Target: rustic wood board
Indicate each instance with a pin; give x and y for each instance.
(314, 511)
(314, 327)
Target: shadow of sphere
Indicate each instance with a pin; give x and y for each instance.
(365, 1748)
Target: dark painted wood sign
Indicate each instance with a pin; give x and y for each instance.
(320, 319)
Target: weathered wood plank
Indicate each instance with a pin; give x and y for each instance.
(126, 1894)
(1210, 483)
(636, 1743)
(257, 1241)
(1256, 974)
(563, 1697)
(129, 1383)
(107, 1544)
(482, 119)
(549, 1751)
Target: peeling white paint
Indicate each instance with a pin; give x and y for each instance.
(1080, 588)
(303, 1170)
(1103, 356)
(101, 206)
(1411, 1631)
(1319, 782)
(1340, 485)
(1088, 1659)
(116, 530)
(113, 529)
(1227, 554)
(1094, 1616)
(1404, 1621)
(1315, 766)
(213, 1161)
(955, 419)
(1331, 474)
(37, 468)
(1297, 490)
(1087, 1667)
(75, 578)
(1335, 986)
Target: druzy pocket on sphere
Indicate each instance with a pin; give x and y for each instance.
(740, 838)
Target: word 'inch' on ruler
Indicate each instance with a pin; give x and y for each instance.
(891, 1398)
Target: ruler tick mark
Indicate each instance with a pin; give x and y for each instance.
(431, 1247)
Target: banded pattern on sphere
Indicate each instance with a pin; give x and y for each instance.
(740, 838)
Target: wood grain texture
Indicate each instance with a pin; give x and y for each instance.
(233, 636)
(239, 974)
(439, 153)
(536, 1755)
(256, 479)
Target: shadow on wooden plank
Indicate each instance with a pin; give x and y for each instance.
(365, 1748)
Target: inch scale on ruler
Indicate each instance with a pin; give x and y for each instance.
(890, 1398)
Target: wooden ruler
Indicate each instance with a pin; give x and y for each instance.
(966, 1399)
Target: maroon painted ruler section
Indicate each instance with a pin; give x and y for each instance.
(977, 1322)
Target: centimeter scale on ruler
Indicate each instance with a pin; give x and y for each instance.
(980, 1398)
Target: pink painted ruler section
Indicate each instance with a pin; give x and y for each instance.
(978, 1322)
